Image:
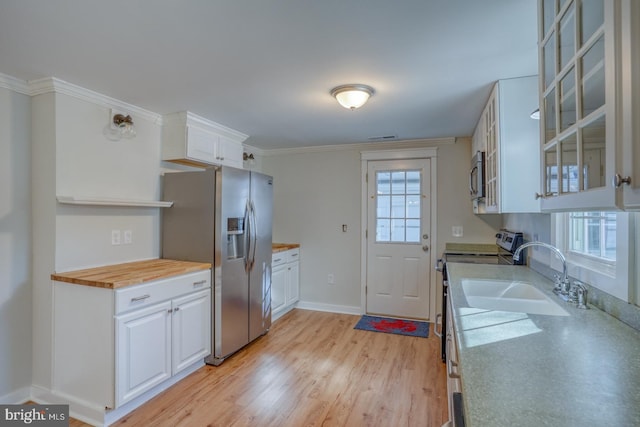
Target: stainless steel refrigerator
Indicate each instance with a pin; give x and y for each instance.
(223, 216)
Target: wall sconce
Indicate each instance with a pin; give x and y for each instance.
(247, 156)
(121, 126)
(352, 96)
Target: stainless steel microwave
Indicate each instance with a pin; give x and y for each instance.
(476, 176)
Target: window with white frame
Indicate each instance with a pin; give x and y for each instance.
(596, 245)
(593, 234)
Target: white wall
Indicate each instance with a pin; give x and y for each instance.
(72, 157)
(15, 246)
(316, 191)
(89, 164)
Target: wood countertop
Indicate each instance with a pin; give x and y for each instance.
(471, 248)
(130, 273)
(281, 247)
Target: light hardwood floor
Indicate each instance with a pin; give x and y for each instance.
(311, 369)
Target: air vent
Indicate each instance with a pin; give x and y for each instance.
(382, 138)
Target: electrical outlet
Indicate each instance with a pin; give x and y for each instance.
(115, 237)
(128, 237)
(457, 231)
(330, 279)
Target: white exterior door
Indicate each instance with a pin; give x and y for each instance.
(398, 238)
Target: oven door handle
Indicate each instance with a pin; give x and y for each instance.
(435, 325)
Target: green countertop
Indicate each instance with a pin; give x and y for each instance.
(532, 370)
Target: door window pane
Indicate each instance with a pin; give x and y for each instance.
(413, 182)
(548, 14)
(550, 115)
(383, 230)
(383, 206)
(594, 153)
(398, 215)
(591, 17)
(593, 84)
(398, 207)
(397, 230)
(398, 183)
(413, 206)
(568, 100)
(551, 171)
(570, 171)
(549, 54)
(567, 37)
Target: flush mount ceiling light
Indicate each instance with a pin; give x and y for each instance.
(352, 96)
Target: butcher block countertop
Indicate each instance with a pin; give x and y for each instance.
(281, 247)
(130, 273)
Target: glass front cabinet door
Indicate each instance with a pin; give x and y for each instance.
(585, 79)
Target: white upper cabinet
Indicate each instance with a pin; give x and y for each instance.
(195, 141)
(588, 78)
(509, 137)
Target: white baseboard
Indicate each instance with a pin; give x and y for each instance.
(331, 308)
(96, 416)
(16, 397)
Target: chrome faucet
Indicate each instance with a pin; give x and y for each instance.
(562, 284)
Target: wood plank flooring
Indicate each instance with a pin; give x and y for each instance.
(311, 369)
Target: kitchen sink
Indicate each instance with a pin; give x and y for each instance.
(509, 295)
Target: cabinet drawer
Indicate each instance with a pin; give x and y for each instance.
(293, 255)
(146, 294)
(279, 258)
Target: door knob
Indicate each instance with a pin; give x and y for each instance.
(425, 248)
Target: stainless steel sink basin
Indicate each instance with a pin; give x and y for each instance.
(509, 295)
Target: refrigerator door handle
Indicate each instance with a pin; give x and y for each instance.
(253, 239)
(254, 233)
(247, 237)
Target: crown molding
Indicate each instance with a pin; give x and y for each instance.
(255, 150)
(54, 85)
(408, 143)
(14, 84)
(190, 119)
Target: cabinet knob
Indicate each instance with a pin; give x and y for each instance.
(618, 180)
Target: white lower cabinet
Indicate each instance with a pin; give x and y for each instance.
(143, 350)
(157, 342)
(191, 330)
(285, 282)
(454, 382)
(113, 346)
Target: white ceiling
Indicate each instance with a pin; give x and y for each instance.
(266, 67)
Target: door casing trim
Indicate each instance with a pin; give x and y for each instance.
(430, 153)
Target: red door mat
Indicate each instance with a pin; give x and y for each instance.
(412, 328)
